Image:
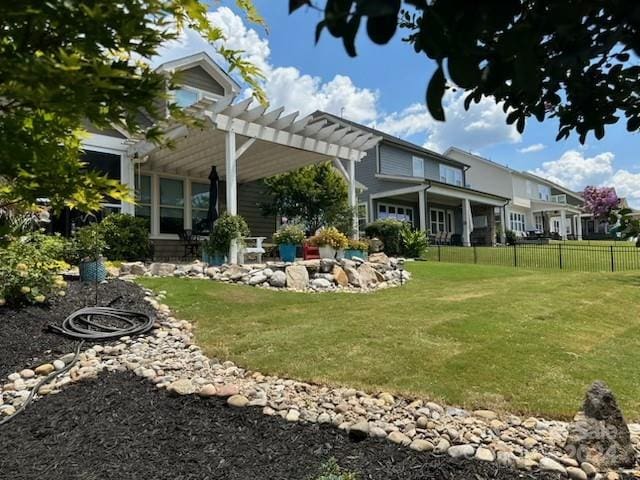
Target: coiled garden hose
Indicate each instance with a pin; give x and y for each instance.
(88, 324)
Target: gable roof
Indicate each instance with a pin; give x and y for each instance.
(203, 60)
(393, 140)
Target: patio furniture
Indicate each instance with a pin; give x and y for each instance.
(309, 252)
(447, 238)
(252, 246)
(189, 242)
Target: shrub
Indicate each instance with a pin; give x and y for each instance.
(332, 471)
(225, 229)
(29, 268)
(510, 236)
(330, 237)
(358, 245)
(390, 232)
(88, 244)
(126, 237)
(290, 234)
(414, 243)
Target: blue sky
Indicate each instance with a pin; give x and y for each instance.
(384, 87)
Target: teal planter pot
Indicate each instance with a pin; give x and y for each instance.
(92, 271)
(350, 253)
(214, 260)
(287, 252)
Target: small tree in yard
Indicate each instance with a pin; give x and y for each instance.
(315, 195)
(604, 204)
(64, 63)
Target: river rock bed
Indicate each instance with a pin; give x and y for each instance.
(322, 275)
(169, 359)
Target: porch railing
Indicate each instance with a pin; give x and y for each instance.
(568, 257)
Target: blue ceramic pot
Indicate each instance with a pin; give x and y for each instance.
(93, 271)
(214, 260)
(287, 252)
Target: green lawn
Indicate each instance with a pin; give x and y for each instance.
(472, 335)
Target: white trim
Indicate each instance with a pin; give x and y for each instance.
(437, 222)
(207, 63)
(107, 142)
(472, 196)
(398, 191)
(396, 206)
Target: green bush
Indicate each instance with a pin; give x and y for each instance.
(414, 243)
(358, 245)
(332, 471)
(87, 244)
(225, 229)
(126, 237)
(289, 235)
(510, 236)
(390, 232)
(29, 267)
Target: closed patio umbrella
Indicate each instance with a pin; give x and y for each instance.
(212, 212)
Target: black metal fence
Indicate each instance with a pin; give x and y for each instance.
(570, 257)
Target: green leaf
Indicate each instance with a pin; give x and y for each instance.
(349, 35)
(435, 92)
(464, 70)
(382, 29)
(296, 4)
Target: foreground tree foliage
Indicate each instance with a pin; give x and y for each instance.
(65, 63)
(574, 60)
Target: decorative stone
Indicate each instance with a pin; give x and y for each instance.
(208, 390)
(340, 276)
(278, 279)
(297, 277)
(359, 431)
(485, 414)
(326, 265)
(227, 390)
(161, 269)
(506, 459)
(258, 279)
(292, 415)
(549, 465)
(324, 418)
(379, 258)
(458, 451)
(576, 473)
(421, 445)
(387, 398)
(320, 283)
(368, 276)
(442, 446)
(44, 369)
(58, 364)
(600, 436)
(484, 454)
(353, 276)
(399, 438)
(27, 373)
(182, 387)
(237, 401)
(589, 469)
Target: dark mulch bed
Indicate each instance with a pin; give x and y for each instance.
(24, 339)
(119, 427)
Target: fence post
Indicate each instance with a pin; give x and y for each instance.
(560, 254)
(439, 257)
(475, 254)
(515, 256)
(613, 262)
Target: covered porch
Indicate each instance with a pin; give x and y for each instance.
(563, 221)
(245, 144)
(448, 214)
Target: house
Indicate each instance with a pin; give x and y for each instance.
(427, 190)
(600, 228)
(535, 204)
(243, 141)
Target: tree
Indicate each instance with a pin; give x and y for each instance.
(604, 203)
(574, 60)
(315, 195)
(64, 63)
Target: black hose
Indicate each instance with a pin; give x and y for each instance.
(85, 324)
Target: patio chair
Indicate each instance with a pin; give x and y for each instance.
(189, 242)
(247, 249)
(439, 238)
(447, 238)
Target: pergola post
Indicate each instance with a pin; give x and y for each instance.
(466, 223)
(422, 210)
(353, 198)
(563, 224)
(231, 169)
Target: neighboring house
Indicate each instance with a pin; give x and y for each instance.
(428, 190)
(600, 228)
(536, 204)
(244, 142)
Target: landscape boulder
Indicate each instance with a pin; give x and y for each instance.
(161, 269)
(599, 434)
(368, 276)
(380, 258)
(297, 277)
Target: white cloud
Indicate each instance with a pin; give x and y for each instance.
(536, 147)
(575, 171)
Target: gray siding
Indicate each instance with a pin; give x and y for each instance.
(249, 197)
(366, 171)
(196, 77)
(397, 161)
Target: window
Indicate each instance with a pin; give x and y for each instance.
(199, 206)
(105, 164)
(185, 97)
(480, 221)
(517, 222)
(450, 175)
(171, 205)
(544, 193)
(438, 222)
(397, 212)
(539, 222)
(143, 197)
(363, 216)
(418, 167)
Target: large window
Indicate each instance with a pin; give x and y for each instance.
(544, 193)
(105, 164)
(539, 221)
(517, 222)
(397, 212)
(171, 205)
(363, 216)
(438, 221)
(199, 206)
(418, 167)
(450, 175)
(143, 197)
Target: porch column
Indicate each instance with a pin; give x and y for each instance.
(466, 228)
(578, 227)
(563, 224)
(232, 187)
(422, 210)
(503, 222)
(353, 198)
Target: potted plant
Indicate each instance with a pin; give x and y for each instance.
(87, 248)
(287, 239)
(226, 229)
(356, 248)
(329, 242)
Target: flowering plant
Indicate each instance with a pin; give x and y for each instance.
(289, 235)
(601, 202)
(331, 237)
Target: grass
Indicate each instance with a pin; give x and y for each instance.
(478, 336)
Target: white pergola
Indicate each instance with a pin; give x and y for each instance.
(247, 142)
